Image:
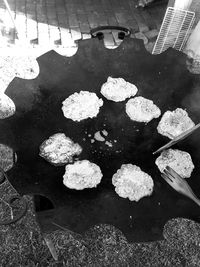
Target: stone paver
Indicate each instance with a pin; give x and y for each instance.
(83, 23)
(61, 22)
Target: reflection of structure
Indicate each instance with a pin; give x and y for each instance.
(176, 27)
(175, 30)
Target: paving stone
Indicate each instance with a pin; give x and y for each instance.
(71, 9)
(63, 20)
(154, 17)
(83, 22)
(93, 20)
(21, 5)
(140, 35)
(119, 6)
(132, 24)
(40, 11)
(53, 22)
(31, 8)
(76, 33)
(51, 12)
(160, 13)
(121, 18)
(32, 31)
(42, 19)
(139, 18)
(43, 33)
(85, 28)
(102, 19)
(28, 2)
(112, 20)
(54, 35)
(73, 20)
(21, 25)
(66, 37)
(60, 3)
(106, 5)
(148, 19)
(80, 9)
(97, 8)
(61, 10)
(86, 36)
(50, 3)
(151, 34)
(78, 2)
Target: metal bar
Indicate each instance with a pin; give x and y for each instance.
(168, 31)
(171, 29)
(180, 30)
(160, 31)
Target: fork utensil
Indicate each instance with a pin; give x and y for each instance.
(180, 137)
(179, 184)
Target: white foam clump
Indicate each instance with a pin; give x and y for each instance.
(142, 109)
(7, 106)
(179, 161)
(59, 149)
(82, 105)
(132, 183)
(117, 89)
(82, 174)
(174, 123)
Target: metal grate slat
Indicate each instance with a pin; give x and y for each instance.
(175, 30)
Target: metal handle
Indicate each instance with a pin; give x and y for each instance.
(98, 31)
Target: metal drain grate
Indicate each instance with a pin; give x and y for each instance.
(175, 30)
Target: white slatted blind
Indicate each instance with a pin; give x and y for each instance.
(175, 30)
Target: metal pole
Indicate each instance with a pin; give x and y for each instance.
(12, 18)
